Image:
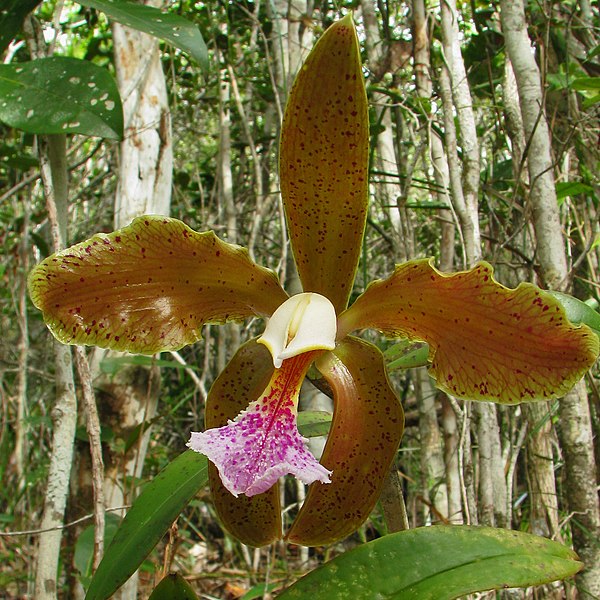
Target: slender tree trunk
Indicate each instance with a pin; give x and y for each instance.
(575, 424)
(389, 190)
(52, 153)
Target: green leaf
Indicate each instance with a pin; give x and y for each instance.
(60, 95)
(174, 29)
(173, 587)
(438, 563)
(586, 84)
(578, 312)
(113, 364)
(84, 547)
(12, 14)
(149, 518)
(314, 423)
(571, 188)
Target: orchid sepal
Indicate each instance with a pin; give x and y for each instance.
(149, 287)
(487, 342)
(323, 164)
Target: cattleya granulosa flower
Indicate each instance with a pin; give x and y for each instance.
(151, 286)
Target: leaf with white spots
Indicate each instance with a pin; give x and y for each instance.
(149, 287)
(176, 30)
(438, 563)
(323, 164)
(367, 426)
(60, 95)
(487, 342)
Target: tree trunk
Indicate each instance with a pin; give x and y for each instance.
(575, 424)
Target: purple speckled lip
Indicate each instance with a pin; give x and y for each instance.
(263, 442)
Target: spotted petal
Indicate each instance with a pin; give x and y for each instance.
(263, 442)
(254, 520)
(323, 164)
(149, 287)
(487, 342)
(367, 426)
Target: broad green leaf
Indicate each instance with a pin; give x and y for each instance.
(149, 287)
(578, 312)
(323, 164)
(173, 587)
(60, 95)
(254, 520)
(12, 14)
(487, 342)
(438, 563)
(368, 421)
(147, 521)
(174, 29)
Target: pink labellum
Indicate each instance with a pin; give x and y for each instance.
(263, 442)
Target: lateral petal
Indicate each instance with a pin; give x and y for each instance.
(487, 342)
(367, 426)
(323, 164)
(149, 287)
(254, 520)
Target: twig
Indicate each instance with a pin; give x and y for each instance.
(63, 526)
(93, 431)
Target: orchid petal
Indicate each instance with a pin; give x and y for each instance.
(323, 164)
(303, 322)
(149, 287)
(487, 342)
(263, 443)
(254, 520)
(367, 426)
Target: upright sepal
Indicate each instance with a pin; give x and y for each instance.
(323, 164)
(487, 342)
(149, 287)
(254, 520)
(367, 426)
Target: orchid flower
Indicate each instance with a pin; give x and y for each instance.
(151, 286)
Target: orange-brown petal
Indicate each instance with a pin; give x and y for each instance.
(323, 164)
(149, 287)
(487, 342)
(368, 422)
(254, 520)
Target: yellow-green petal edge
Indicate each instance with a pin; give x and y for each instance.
(487, 342)
(149, 287)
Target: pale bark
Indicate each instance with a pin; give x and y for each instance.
(23, 349)
(467, 134)
(52, 154)
(575, 425)
(389, 190)
(433, 473)
(540, 460)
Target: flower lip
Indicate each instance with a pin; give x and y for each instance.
(302, 323)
